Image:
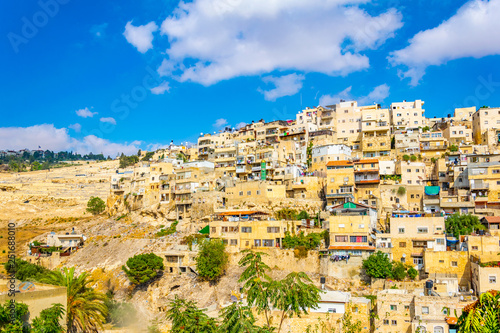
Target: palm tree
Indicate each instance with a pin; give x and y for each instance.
(86, 310)
(483, 315)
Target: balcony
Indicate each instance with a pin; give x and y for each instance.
(241, 169)
(479, 186)
(256, 169)
(183, 201)
(431, 201)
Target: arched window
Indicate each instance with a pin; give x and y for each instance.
(438, 329)
(421, 329)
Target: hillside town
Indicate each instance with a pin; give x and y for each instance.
(374, 178)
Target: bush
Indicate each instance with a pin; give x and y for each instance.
(169, 231)
(378, 265)
(453, 148)
(303, 215)
(398, 271)
(142, 268)
(457, 224)
(286, 214)
(412, 273)
(212, 260)
(401, 190)
(309, 242)
(413, 158)
(26, 271)
(406, 158)
(95, 205)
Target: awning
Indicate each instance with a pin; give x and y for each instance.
(205, 230)
(349, 205)
(432, 190)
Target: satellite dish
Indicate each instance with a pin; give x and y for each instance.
(26, 286)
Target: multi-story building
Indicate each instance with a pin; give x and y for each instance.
(407, 142)
(339, 182)
(376, 132)
(323, 154)
(407, 115)
(484, 180)
(483, 120)
(367, 181)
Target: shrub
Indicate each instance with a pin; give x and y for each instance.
(412, 273)
(212, 260)
(169, 231)
(142, 268)
(378, 265)
(406, 158)
(95, 205)
(401, 190)
(303, 215)
(413, 158)
(398, 271)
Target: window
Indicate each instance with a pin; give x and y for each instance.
(341, 239)
(407, 308)
(224, 229)
(273, 230)
(342, 225)
(394, 322)
(332, 180)
(256, 242)
(258, 192)
(425, 310)
(475, 248)
(213, 230)
(440, 241)
(361, 226)
(454, 263)
(234, 242)
(249, 192)
(394, 307)
(246, 229)
(402, 244)
(332, 310)
(386, 321)
(268, 242)
(241, 193)
(358, 239)
(422, 230)
(401, 230)
(492, 279)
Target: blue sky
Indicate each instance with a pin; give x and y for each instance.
(112, 76)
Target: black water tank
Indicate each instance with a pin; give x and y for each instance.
(322, 280)
(429, 284)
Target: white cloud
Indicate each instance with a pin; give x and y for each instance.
(164, 86)
(85, 113)
(49, 137)
(240, 125)
(140, 36)
(377, 95)
(225, 39)
(221, 122)
(109, 120)
(286, 85)
(471, 32)
(76, 127)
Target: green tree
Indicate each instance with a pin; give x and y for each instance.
(303, 215)
(378, 265)
(142, 268)
(26, 271)
(453, 148)
(398, 270)
(457, 224)
(18, 325)
(186, 317)
(286, 213)
(96, 205)
(293, 295)
(412, 273)
(49, 320)
(406, 158)
(482, 316)
(401, 190)
(212, 260)
(413, 158)
(86, 310)
(349, 325)
(149, 155)
(238, 318)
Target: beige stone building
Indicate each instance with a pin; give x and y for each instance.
(339, 182)
(407, 115)
(376, 132)
(483, 120)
